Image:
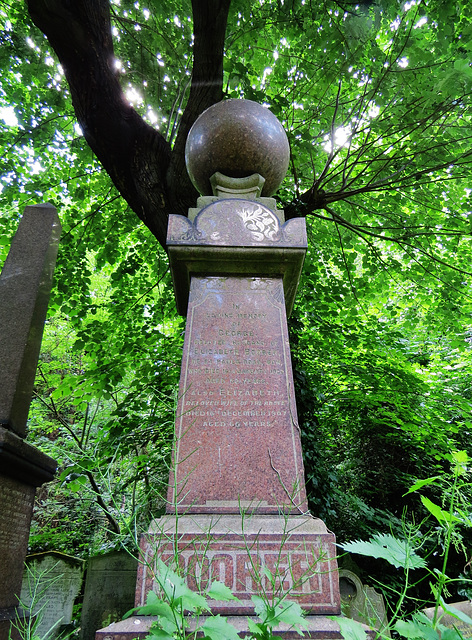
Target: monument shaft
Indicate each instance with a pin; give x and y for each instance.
(25, 284)
(237, 443)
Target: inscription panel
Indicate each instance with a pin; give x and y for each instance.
(237, 441)
(300, 566)
(16, 500)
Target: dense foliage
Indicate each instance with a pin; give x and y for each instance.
(376, 101)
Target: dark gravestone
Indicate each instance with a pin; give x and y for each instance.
(109, 591)
(25, 284)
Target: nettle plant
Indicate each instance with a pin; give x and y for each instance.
(451, 516)
(179, 611)
(183, 613)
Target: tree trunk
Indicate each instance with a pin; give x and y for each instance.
(149, 175)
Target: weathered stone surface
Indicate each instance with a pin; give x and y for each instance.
(454, 623)
(298, 551)
(23, 468)
(237, 237)
(249, 188)
(318, 628)
(204, 201)
(362, 603)
(109, 591)
(237, 437)
(237, 138)
(57, 579)
(16, 507)
(237, 223)
(25, 285)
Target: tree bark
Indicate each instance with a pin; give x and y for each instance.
(209, 28)
(149, 175)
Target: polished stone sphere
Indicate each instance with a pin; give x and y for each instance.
(237, 138)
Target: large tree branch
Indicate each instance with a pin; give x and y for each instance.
(151, 177)
(134, 154)
(209, 27)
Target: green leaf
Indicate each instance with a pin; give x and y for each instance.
(422, 483)
(455, 613)
(160, 634)
(217, 628)
(219, 591)
(155, 607)
(438, 513)
(254, 627)
(449, 634)
(290, 613)
(397, 552)
(268, 574)
(176, 590)
(350, 629)
(410, 629)
(260, 606)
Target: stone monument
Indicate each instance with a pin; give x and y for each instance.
(237, 506)
(25, 284)
(109, 592)
(362, 603)
(51, 584)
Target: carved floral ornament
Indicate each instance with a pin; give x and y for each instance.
(261, 223)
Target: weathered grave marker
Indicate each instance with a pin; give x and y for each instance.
(25, 284)
(362, 603)
(51, 583)
(109, 591)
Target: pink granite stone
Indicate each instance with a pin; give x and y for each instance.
(237, 438)
(298, 552)
(235, 237)
(317, 628)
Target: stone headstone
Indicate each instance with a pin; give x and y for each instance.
(51, 583)
(25, 284)
(109, 591)
(464, 628)
(362, 603)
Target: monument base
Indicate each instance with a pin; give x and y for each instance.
(137, 627)
(290, 557)
(293, 557)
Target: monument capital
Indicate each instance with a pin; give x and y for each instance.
(233, 236)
